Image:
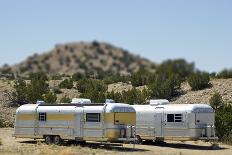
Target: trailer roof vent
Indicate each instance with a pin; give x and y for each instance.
(159, 102)
(109, 101)
(81, 101)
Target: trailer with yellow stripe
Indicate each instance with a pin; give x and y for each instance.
(80, 122)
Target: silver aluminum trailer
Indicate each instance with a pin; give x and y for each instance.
(161, 121)
(81, 122)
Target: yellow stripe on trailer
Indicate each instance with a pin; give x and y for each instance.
(24, 117)
(60, 117)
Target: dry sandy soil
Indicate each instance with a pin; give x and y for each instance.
(11, 145)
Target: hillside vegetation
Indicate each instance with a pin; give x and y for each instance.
(83, 57)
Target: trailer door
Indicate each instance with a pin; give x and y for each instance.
(78, 122)
(92, 126)
(159, 122)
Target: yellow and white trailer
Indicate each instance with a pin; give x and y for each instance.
(80, 122)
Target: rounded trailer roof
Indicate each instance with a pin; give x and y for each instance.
(176, 108)
(119, 107)
(27, 108)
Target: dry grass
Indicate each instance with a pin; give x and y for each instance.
(25, 146)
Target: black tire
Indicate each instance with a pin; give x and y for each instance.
(48, 140)
(57, 140)
(138, 140)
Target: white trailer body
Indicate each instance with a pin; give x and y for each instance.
(81, 122)
(175, 122)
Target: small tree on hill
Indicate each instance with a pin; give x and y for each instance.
(199, 80)
(216, 101)
(50, 97)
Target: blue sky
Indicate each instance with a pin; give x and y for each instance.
(197, 30)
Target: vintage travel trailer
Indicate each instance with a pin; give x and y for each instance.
(81, 122)
(161, 121)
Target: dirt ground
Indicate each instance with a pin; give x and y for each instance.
(13, 146)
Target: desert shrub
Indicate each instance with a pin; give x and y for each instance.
(140, 78)
(56, 77)
(164, 87)
(94, 95)
(0, 141)
(92, 89)
(225, 74)
(57, 90)
(116, 96)
(21, 89)
(85, 85)
(67, 83)
(1, 122)
(223, 123)
(132, 96)
(216, 101)
(178, 66)
(50, 97)
(199, 80)
(65, 99)
(34, 90)
(77, 76)
(109, 79)
(135, 96)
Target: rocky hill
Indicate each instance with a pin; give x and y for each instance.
(82, 57)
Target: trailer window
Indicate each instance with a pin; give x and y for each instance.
(93, 117)
(42, 116)
(174, 118)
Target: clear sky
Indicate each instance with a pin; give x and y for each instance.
(197, 30)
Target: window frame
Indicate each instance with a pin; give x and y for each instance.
(42, 116)
(93, 120)
(175, 118)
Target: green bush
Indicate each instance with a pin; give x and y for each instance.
(225, 74)
(50, 97)
(142, 77)
(57, 90)
(85, 85)
(132, 96)
(36, 89)
(198, 80)
(223, 123)
(216, 101)
(77, 76)
(109, 79)
(135, 96)
(178, 66)
(164, 87)
(21, 89)
(67, 83)
(92, 89)
(65, 99)
(56, 77)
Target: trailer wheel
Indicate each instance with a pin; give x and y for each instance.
(57, 140)
(138, 140)
(48, 140)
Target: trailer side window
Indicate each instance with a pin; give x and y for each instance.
(93, 117)
(174, 117)
(170, 117)
(42, 116)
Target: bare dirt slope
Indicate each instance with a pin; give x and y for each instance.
(28, 146)
(222, 86)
